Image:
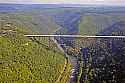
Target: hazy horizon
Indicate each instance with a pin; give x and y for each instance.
(82, 2)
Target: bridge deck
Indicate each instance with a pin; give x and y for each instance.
(75, 36)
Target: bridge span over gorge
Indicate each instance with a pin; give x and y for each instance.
(75, 36)
(75, 43)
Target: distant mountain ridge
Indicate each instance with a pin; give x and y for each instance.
(117, 28)
(87, 8)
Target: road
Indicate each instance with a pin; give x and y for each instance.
(73, 60)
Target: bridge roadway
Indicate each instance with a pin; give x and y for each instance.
(75, 36)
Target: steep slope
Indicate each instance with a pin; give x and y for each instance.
(68, 20)
(105, 58)
(33, 20)
(117, 28)
(24, 60)
(92, 24)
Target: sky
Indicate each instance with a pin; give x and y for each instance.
(111, 2)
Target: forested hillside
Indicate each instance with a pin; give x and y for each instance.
(31, 20)
(92, 24)
(104, 57)
(25, 60)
